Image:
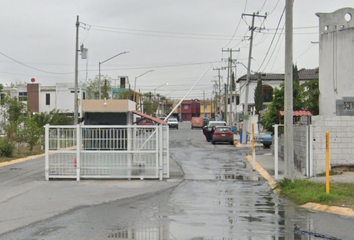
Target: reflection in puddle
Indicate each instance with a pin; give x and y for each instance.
(237, 177)
(154, 233)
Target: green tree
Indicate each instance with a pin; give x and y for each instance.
(311, 96)
(13, 111)
(271, 117)
(31, 132)
(233, 82)
(54, 117)
(258, 97)
(93, 87)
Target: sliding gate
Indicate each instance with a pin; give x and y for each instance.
(106, 152)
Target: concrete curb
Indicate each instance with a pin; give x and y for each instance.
(310, 206)
(3, 164)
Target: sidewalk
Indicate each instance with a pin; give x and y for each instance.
(265, 167)
(25, 202)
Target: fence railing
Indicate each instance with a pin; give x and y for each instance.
(102, 152)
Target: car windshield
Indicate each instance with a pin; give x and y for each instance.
(212, 124)
(223, 129)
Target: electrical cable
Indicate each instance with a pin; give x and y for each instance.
(272, 40)
(275, 47)
(37, 69)
(238, 25)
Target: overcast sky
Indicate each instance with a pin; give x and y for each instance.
(180, 40)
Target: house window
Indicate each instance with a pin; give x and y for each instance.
(205, 106)
(47, 99)
(185, 106)
(267, 93)
(22, 96)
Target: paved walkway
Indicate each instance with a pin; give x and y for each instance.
(265, 166)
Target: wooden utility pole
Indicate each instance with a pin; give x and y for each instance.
(229, 83)
(219, 91)
(245, 110)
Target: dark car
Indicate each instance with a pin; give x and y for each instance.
(208, 129)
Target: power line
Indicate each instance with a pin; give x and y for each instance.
(271, 41)
(37, 69)
(163, 34)
(239, 22)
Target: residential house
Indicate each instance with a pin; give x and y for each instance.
(189, 109)
(207, 108)
(270, 81)
(46, 98)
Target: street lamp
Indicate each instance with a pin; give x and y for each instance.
(159, 87)
(99, 71)
(138, 77)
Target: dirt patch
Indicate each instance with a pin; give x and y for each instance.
(341, 169)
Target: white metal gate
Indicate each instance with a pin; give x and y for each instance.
(124, 152)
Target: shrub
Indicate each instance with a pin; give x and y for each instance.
(6, 148)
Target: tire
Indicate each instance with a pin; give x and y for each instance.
(267, 145)
(208, 140)
(231, 142)
(191, 127)
(212, 142)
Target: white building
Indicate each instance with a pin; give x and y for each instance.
(270, 82)
(46, 98)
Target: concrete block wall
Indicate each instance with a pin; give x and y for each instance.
(300, 135)
(341, 131)
(341, 140)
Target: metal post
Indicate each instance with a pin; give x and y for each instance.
(327, 164)
(76, 71)
(276, 158)
(311, 151)
(160, 152)
(78, 151)
(253, 150)
(288, 98)
(99, 80)
(46, 145)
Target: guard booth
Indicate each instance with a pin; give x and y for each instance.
(107, 144)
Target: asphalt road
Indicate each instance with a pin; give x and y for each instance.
(220, 198)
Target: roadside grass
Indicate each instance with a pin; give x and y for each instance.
(22, 152)
(304, 191)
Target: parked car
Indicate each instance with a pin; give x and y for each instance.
(208, 129)
(222, 134)
(144, 122)
(266, 139)
(172, 123)
(205, 121)
(197, 122)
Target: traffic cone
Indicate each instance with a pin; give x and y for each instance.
(75, 162)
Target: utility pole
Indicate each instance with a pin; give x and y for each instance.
(229, 82)
(245, 110)
(76, 96)
(288, 105)
(225, 102)
(219, 93)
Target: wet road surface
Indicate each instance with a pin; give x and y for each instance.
(221, 198)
